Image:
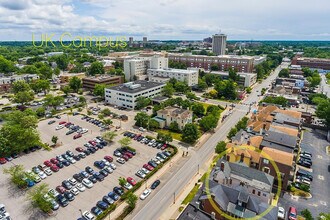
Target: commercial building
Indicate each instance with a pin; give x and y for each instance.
(65, 76)
(6, 81)
(90, 82)
(130, 41)
(172, 114)
(163, 75)
(245, 79)
(219, 42)
(314, 63)
(223, 62)
(125, 95)
(145, 40)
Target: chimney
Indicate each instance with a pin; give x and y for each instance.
(213, 215)
(222, 166)
(248, 142)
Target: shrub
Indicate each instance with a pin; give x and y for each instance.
(110, 209)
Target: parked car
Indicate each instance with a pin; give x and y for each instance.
(118, 190)
(120, 160)
(131, 181)
(89, 170)
(96, 211)
(60, 189)
(88, 216)
(87, 183)
(102, 205)
(113, 196)
(108, 200)
(80, 187)
(62, 200)
(292, 213)
(140, 174)
(145, 194)
(76, 136)
(155, 184)
(51, 122)
(108, 158)
(66, 184)
(99, 164)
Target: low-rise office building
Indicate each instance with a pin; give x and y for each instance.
(125, 95)
(65, 76)
(313, 63)
(90, 82)
(163, 75)
(245, 79)
(6, 81)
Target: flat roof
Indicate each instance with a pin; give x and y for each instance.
(175, 70)
(101, 78)
(144, 85)
(219, 56)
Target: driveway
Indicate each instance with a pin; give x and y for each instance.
(320, 202)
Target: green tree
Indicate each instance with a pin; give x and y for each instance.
(191, 96)
(122, 181)
(142, 102)
(54, 139)
(99, 90)
(276, 100)
(36, 195)
(226, 89)
(324, 216)
(62, 61)
(208, 123)
(285, 73)
(202, 85)
(45, 71)
(214, 67)
(232, 133)
(75, 84)
(131, 200)
(168, 90)
(101, 116)
(106, 111)
(96, 68)
(323, 111)
(198, 109)
(109, 136)
(40, 111)
(181, 87)
(141, 119)
(16, 175)
(108, 121)
(314, 80)
(66, 89)
(125, 142)
(53, 101)
(40, 85)
(153, 124)
(164, 137)
(24, 97)
(248, 89)
(221, 147)
(190, 133)
(232, 73)
(307, 214)
(174, 126)
(20, 86)
(6, 66)
(82, 100)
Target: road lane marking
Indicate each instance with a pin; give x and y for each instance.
(320, 177)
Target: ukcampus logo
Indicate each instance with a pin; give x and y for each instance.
(68, 40)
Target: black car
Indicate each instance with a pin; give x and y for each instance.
(78, 177)
(69, 153)
(104, 143)
(118, 190)
(100, 146)
(57, 116)
(60, 165)
(62, 200)
(102, 205)
(155, 184)
(76, 157)
(51, 122)
(89, 170)
(166, 153)
(96, 211)
(67, 185)
(92, 150)
(69, 196)
(92, 179)
(69, 132)
(305, 173)
(304, 163)
(82, 155)
(108, 200)
(66, 163)
(98, 176)
(104, 173)
(87, 152)
(152, 163)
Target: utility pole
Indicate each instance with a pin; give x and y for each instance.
(198, 169)
(174, 198)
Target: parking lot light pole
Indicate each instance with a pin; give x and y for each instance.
(80, 212)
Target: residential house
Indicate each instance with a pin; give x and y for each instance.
(173, 114)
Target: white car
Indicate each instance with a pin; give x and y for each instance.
(140, 174)
(281, 213)
(107, 163)
(128, 186)
(74, 191)
(59, 127)
(42, 175)
(83, 131)
(72, 181)
(151, 142)
(48, 172)
(113, 166)
(81, 187)
(120, 160)
(155, 160)
(160, 159)
(87, 183)
(145, 194)
(108, 169)
(144, 170)
(88, 216)
(53, 192)
(71, 160)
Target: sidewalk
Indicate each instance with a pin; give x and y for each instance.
(120, 208)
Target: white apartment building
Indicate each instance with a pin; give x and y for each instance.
(6, 81)
(125, 95)
(164, 75)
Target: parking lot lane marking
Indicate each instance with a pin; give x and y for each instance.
(319, 156)
(323, 203)
(314, 204)
(320, 177)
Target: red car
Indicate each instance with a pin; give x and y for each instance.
(62, 123)
(3, 160)
(79, 149)
(128, 154)
(125, 157)
(137, 136)
(60, 189)
(131, 181)
(54, 161)
(77, 136)
(54, 168)
(108, 158)
(92, 143)
(48, 163)
(148, 167)
(164, 147)
(292, 214)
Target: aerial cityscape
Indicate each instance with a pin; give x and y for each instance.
(164, 110)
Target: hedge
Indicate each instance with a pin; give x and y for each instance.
(125, 213)
(104, 214)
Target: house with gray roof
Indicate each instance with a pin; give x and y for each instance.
(256, 182)
(279, 141)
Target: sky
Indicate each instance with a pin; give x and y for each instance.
(166, 19)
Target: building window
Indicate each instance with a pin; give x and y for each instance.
(266, 169)
(230, 181)
(258, 193)
(253, 191)
(264, 194)
(266, 161)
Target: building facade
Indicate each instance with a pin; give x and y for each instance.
(314, 63)
(173, 114)
(224, 62)
(65, 77)
(90, 82)
(136, 68)
(6, 81)
(125, 95)
(163, 75)
(245, 79)
(219, 42)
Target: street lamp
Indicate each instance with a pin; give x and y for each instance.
(80, 212)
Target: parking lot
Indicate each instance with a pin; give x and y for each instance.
(11, 196)
(316, 144)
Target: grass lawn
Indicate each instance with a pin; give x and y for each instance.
(176, 136)
(191, 195)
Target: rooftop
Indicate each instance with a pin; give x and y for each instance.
(190, 71)
(136, 86)
(210, 57)
(175, 112)
(279, 156)
(101, 78)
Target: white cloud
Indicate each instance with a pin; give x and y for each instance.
(167, 19)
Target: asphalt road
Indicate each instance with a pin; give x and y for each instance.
(325, 87)
(153, 208)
